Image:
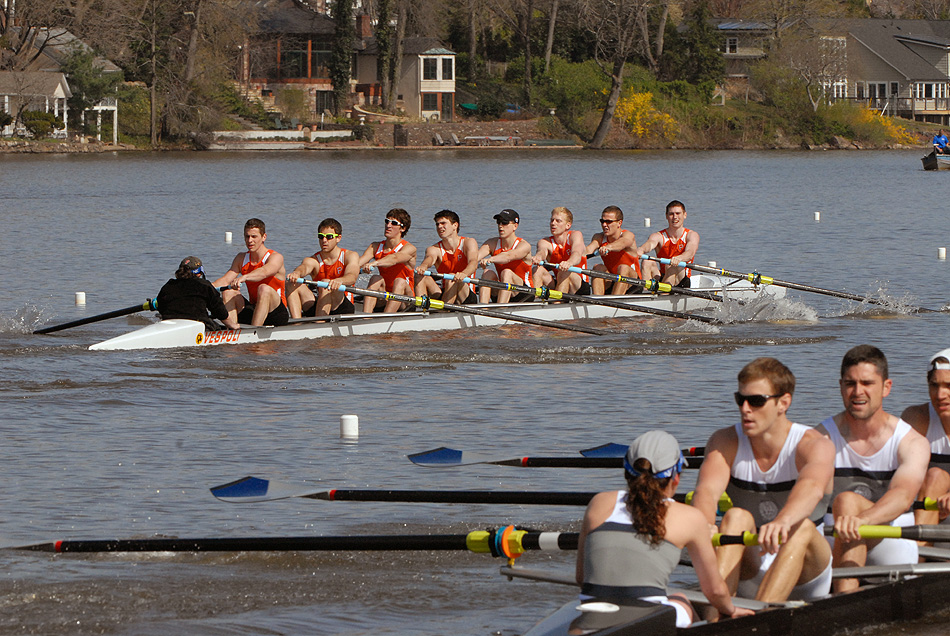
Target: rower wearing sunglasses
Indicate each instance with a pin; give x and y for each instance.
(395, 259)
(511, 257)
(333, 264)
(778, 475)
(617, 248)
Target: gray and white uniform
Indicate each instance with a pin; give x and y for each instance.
(764, 493)
(870, 477)
(621, 563)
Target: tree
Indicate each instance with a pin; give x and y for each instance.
(341, 54)
(88, 82)
(384, 50)
(615, 26)
(818, 62)
(703, 60)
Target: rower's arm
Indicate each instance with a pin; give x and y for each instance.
(230, 275)
(306, 268)
(626, 240)
(577, 249)
(406, 255)
(273, 266)
(470, 250)
(651, 243)
(519, 253)
(913, 455)
(368, 254)
(544, 249)
(692, 246)
(703, 558)
(594, 244)
(351, 269)
(432, 255)
(715, 472)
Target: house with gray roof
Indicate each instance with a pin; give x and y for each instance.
(33, 91)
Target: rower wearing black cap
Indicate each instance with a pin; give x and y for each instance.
(511, 257)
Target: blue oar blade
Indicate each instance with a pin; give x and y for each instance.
(254, 489)
(444, 456)
(606, 450)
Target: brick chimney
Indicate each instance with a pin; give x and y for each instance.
(364, 28)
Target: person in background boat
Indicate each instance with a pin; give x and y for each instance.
(333, 264)
(190, 296)
(940, 143)
(880, 464)
(778, 475)
(564, 248)
(932, 420)
(395, 258)
(631, 540)
(511, 257)
(262, 270)
(453, 254)
(617, 248)
(677, 243)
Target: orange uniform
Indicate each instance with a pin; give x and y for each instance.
(329, 271)
(452, 263)
(520, 268)
(274, 282)
(393, 272)
(671, 248)
(561, 253)
(613, 260)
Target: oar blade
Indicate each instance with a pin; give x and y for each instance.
(444, 456)
(606, 450)
(255, 489)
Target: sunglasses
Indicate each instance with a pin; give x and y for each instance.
(394, 222)
(755, 401)
(608, 221)
(328, 237)
(503, 222)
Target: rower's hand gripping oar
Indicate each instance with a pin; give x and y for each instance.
(545, 293)
(427, 303)
(149, 304)
(758, 279)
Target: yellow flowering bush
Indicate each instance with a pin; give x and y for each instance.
(641, 119)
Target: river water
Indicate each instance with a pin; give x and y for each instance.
(126, 444)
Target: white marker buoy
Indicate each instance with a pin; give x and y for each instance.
(646, 222)
(942, 253)
(227, 238)
(80, 298)
(349, 427)
(711, 264)
(818, 216)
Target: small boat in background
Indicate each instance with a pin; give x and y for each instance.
(933, 161)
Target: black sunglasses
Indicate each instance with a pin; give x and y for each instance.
(755, 401)
(608, 221)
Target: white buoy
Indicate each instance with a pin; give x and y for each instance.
(711, 264)
(942, 253)
(349, 427)
(80, 298)
(818, 216)
(646, 222)
(227, 238)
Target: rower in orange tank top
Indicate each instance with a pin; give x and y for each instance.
(394, 258)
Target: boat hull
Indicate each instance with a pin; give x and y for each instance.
(934, 161)
(189, 333)
(894, 600)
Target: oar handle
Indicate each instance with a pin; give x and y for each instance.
(746, 538)
(651, 285)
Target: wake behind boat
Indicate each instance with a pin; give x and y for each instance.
(189, 333)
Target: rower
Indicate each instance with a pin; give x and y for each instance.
(631, 540)
(395, 258)
(677, 243)
(880, 464)
(262, 270)
(190, 296)
(618, 250)
(333, 264)
(778, 475)
(453, 254)
(511, 257)
(932, 420)
(564, 248)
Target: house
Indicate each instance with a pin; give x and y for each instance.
(426, 85)
(743, 43)
(285, 65)
(33, 90)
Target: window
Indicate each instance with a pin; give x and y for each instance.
(732, 45)
(447, 68)
(895, 88)
(430, 101)
(430, 68)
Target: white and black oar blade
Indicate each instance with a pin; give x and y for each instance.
(255, 489)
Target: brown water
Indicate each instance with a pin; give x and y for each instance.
(126, 444)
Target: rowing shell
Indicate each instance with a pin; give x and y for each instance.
(892, 600)
(189, 333)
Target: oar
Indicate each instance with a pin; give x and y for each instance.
(619, 450)
(552, 294)
(757, 279)
(149, 304)
(651, 285)
(256, 489)
(427, 303)
(508, 541)
(445, 457)
(929, 533)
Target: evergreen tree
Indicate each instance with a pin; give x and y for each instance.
(341, 55)
(703, 61)
(89, 83)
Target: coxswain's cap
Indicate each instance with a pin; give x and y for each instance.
(945, 364)
(660, 449)
(507, 216)
(190, 265)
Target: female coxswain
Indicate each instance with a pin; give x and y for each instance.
(631, 540)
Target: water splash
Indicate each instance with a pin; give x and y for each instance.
(765, 308)
(25, 320)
